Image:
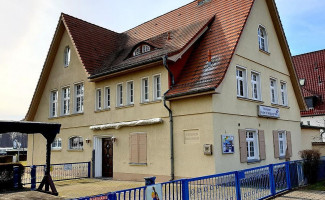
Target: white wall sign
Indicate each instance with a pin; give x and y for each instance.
(265, 111)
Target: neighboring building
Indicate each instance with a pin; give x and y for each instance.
(310, 69)
(222, 66)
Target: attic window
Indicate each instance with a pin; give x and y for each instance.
(66, 56)
(201, 2)
(141, 49)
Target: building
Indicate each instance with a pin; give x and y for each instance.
(310, 69)
(206, 88)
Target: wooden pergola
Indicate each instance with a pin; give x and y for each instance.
(49, 131)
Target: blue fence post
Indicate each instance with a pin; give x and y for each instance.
(272, 183)
(88, 169)
(16, 177)
(33, 177)
(287, 165)
(237, 183)
(185, 191)
(111, 196)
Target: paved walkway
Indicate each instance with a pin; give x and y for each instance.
(303, 195)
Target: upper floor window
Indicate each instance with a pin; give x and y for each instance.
(256, 86)
(284, 96)
(79, 98)
(241, 82)
(76, 143)
(262, 38)
(145, 90)
(65, 101)
(273, 89)
(119, 95)
(66, 56)
(156, 87)
(54, 103)
(141, 49)
(107, 97)
(130, 93)
(57, 143)
(98, 99)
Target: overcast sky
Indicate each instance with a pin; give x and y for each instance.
(27, 28)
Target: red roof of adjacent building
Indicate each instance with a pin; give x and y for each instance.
(311, 67)
(103, 52)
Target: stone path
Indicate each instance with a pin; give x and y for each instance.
(303, 195)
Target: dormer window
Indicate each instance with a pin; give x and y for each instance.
(141, 50)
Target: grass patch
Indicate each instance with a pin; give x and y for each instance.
(320, 186)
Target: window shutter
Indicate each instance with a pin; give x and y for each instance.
(276, 144)
(289, 145)
(142, 139)
(242, 145)
(261, 144)
(134, 158)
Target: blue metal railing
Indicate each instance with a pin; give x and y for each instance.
(59, 172)
(255, 183)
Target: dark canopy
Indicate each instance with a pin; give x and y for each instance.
(48, 130)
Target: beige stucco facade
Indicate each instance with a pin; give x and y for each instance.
(198, 120)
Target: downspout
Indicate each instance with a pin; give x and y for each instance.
(171, 123)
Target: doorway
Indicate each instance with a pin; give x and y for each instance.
(107, 157)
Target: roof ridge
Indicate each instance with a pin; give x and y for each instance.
(312, 52)
(64, 14)
(159, 16)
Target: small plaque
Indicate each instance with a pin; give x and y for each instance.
(191, 136)
(266, 111)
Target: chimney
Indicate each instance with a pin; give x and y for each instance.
(209, 56)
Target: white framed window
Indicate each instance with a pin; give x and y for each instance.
(54, 103)
(145, 48)
(156, 87)
(98, 99)
(76, 143)
(252, 145)
(137, 51)
(282, 143)
(119, 95)
(107, 97)
(65, 101)
(66, 56)
(79, 97)
(273, 90)
(241, 82)
(130, 93)
(262, 38)
(145, 90)
(256, 86)
(57, 143)
(284, 95)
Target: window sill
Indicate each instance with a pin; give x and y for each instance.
(75, 150)
(279, 105)
(102, 110)
(266, 52)
(251, 100)
(151, 102)
(63, 116)
(56, 150)
(138, 164)
(126, 106)
(282, 158)
(253, 161)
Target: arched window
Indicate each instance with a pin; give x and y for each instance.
(145, 48)
(66, 56)
(76, 142)
(262, 38)
(137, 51)
(141, 49)
(57, 143)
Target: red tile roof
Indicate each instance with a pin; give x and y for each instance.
(103, 51)
(311, 67)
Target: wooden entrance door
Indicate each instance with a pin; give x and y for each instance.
(107, 158)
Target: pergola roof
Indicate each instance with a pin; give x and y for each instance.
(48, 130)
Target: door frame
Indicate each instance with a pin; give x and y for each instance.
(98, 145)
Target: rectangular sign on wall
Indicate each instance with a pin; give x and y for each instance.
(265, 111)
(227, 144)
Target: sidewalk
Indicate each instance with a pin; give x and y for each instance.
(303, 195)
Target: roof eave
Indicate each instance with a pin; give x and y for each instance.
(191, 93)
